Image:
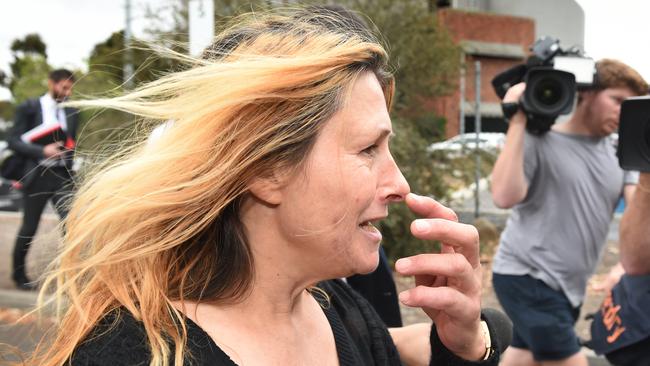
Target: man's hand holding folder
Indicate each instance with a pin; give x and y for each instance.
(53, 138)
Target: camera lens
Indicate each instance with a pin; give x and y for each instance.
(548, 92)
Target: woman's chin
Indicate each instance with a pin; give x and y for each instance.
(368, 266)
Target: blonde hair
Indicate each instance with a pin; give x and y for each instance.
(161, 223)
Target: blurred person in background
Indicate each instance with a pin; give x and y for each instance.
(222, 241)
(380, 290)
(44, 136)
(563, 186)
(621, 329)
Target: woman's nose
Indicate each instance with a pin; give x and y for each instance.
(394, 187)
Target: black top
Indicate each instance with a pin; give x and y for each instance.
(360, 335)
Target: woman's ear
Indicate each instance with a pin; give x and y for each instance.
(267, 190)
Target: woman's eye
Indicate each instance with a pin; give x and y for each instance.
(370, 150)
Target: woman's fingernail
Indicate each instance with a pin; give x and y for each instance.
(402, 264)
(404, 297)
(420, 225)
(416, 196)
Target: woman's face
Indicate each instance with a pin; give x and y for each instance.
(330, 209)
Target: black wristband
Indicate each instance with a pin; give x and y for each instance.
(440, 355)
(509, 109)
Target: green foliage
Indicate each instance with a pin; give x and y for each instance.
(108, 58)
(101, 129)
(26, 52)
(7, 110)
(31, 44)
(426, 58)
(6, 116)
(32, 79)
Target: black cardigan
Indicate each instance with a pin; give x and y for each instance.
(360, 335)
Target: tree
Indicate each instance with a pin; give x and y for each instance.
(31, 44)
(32, 78)
(28, 50)
(108, 58)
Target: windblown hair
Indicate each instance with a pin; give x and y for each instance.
(162, 222)
(614, 74)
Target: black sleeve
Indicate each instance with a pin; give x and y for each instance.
(25, 115)
(441, 356)
(372, 339)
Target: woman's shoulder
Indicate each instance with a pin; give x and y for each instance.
(118, 339)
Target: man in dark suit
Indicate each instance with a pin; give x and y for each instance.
(44, 136)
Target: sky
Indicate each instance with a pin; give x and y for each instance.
(71, 28)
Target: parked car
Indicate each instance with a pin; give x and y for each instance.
(489, 141)
(10, 197)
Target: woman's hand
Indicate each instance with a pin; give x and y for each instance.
(448, 284)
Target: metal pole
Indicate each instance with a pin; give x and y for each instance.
(477, 129)
(128, 59)
(461, 118)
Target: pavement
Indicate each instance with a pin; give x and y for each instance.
(20, 330)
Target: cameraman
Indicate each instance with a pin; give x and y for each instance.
(563, 186)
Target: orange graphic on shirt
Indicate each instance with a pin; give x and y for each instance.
(611, 319)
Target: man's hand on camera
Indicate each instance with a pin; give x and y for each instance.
(513, 95)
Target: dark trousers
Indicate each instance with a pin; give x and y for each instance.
(53, 184)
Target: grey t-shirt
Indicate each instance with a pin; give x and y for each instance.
(556, 234)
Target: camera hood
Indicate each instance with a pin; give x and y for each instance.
(549, 92)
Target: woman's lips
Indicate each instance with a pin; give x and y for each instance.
(370, 230)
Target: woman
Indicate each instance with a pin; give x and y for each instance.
(216, 242)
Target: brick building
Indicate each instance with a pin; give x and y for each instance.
(498, 42)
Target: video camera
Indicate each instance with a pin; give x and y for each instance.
(634, 134)
(552, 76)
